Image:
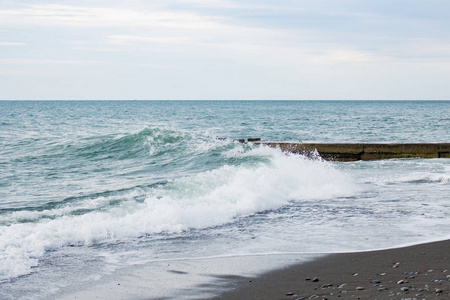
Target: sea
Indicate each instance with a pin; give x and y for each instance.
(91, 191)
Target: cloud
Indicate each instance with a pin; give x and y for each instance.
(214, 3)
(45, 61)
(253, 46)
(337, 55)
(11, 44)
(132, 39)
(153, 27)
(86, 16)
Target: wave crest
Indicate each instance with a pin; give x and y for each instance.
(210, 198)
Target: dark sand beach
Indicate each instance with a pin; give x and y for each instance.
(414, 272)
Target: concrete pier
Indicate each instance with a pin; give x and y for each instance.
(364, 151)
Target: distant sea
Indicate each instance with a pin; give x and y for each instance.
(89, 188)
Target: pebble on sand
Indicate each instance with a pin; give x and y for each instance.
(376, 282)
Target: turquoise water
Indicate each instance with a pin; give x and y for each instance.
(94, 187)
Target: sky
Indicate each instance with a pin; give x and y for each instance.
(225, 50)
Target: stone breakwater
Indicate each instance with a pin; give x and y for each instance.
(362, 151)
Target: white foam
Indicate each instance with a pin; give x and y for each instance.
(207, 199)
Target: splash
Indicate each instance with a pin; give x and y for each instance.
(267, 179)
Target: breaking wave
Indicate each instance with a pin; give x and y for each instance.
(258, 179)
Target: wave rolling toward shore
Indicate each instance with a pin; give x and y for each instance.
(113, 186)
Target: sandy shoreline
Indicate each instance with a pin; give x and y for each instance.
(414, 272)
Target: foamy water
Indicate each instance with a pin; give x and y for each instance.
(84, 198)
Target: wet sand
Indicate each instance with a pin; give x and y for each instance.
(414, 272)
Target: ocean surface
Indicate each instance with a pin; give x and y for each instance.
(90, 189)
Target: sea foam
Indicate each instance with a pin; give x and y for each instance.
(211, 198)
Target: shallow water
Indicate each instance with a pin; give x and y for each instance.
(89, 189)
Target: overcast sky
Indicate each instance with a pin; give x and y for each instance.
(225, 49)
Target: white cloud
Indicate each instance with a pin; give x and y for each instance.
(214, 3)
(337, 55)
(45, 61)
(11, 44)
(132, 39)
(157, 29)
(85, 16)
(255, 47)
